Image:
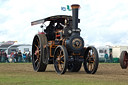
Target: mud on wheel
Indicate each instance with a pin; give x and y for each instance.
(38, 53)
(60, 59)
(123, 59)
(91, 60)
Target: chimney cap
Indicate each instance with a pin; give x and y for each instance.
(75, 6)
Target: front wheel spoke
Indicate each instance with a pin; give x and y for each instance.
(60, 67)
(90, 67)
(93, 56)
(58, 61)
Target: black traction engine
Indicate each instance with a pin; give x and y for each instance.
(61, 44)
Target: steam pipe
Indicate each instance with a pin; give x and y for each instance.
(75, 8)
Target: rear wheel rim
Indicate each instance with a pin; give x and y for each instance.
(36, 53)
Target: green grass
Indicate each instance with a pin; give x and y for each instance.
(23, 74)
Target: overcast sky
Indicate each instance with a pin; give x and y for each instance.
(103, 22)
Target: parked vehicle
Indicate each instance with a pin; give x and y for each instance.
(101, 52)
(117, 51)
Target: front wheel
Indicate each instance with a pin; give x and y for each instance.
(60, 59)
(91, 60)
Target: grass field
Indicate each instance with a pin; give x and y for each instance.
(23, 74)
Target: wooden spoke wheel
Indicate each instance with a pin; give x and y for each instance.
(38, 52)
(124, 59)
(91, 60)
(74, 66)
(60, 59)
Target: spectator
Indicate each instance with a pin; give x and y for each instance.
(24, 56)
(19, 56)
(106, 56)
(29, 57)
(111, 57)
(2, 56)
(13, 57)
(16, 56)
(5, 57)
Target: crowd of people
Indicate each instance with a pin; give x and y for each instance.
(15, 57)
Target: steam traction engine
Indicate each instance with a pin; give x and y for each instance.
(60, 44)
(124, 59)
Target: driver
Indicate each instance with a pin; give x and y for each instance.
(59, 26)
(50, 31)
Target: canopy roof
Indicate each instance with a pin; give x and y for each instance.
(52, 18)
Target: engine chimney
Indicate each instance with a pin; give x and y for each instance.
(75, 8)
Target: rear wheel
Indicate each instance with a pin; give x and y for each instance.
(123, 61)
(39, 53)
(60, 59)
(91, 60)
